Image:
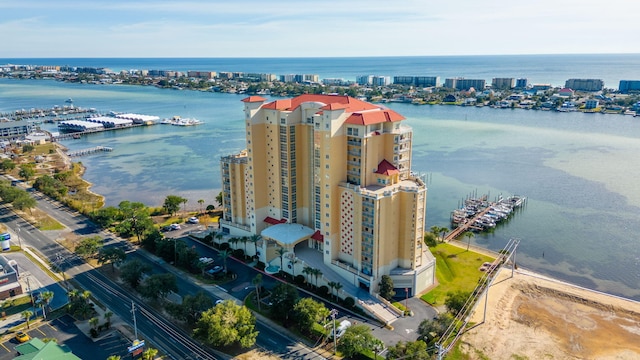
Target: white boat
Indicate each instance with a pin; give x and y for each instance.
(178, 121)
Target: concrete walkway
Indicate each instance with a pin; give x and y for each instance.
(313, 258)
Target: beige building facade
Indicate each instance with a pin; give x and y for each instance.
(331, 173)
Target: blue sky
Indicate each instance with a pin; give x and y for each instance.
(288, 28)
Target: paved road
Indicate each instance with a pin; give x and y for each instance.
(155, 328)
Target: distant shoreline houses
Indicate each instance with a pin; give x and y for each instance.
(589, 95)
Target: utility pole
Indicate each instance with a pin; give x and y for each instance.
(135, 327)
(333, 313)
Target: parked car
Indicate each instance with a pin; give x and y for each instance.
(344, 325)
(22, 337)
(214, 270)
(175, 226)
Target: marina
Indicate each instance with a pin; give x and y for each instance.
(93, 150)
(479, 214)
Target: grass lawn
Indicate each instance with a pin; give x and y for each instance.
(456, 269)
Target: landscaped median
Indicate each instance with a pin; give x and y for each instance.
(457, 270)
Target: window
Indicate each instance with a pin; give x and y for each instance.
(283, 121)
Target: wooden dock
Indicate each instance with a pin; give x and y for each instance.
(89, 151)
(469, 225)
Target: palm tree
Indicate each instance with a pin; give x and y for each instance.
(73, 294)
(338, 286)
(468, 235)
(234, 241)
(244, 240)
(219, 237)
(316, 273)
(257, 282)
(200, 202)
(26, 315)
(281, 251)
(224, 254)
(435, 229)
(184, 202)
(149, 354)
(332, 285)
(114, 357)
(443, 230)
(94, 321)
(46, 297)
(85, 295)
(107, 317)
(307, 270)
(255, 238)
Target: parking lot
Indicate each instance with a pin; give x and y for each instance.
(65, 332)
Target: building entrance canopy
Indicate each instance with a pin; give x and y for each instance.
(287, 234)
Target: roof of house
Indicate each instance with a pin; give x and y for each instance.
(387, 168)
(36, 349)
(362, 112)
(251, 99)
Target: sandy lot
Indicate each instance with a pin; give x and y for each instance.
(533, 317)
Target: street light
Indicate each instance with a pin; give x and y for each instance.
(333, 314)
(19, 240)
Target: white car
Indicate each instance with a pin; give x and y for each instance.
(193, 220)
(175, 226)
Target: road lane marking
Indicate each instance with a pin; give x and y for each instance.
(53, 327)
(6, 348)
(42, 332)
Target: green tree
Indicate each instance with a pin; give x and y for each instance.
(218, 199)
(149, 354)
(131, 272)
(386, 287)
(430, 330)
(257, 282)
(468, 235)
(201, 202)
(283, 298)
(255, 238)
(356, 339)
(26, 315)
(172, 204)
(455, 301)
(114, 357)
(224, 255)
(158, 286)
(46, 297)
(93, 322)
(308, 271)
(316, 273)
(106, 216)
(24, 201)
(27, 171)
(443, 231)
(430, 239)
(136, 219)
(107, 318)
(193, 306)
(7, 165)
(409, 350)
(308, 311)
(27, 148)
(227, 324)
(89, 247)
(111, 255)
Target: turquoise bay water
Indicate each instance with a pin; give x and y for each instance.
(578, 171)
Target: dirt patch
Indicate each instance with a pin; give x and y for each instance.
(538, 318)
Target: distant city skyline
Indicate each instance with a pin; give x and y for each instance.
(286, 28)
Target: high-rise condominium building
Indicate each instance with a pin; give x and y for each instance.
(331, 174)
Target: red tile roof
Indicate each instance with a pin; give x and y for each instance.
(251, 99)
(363, 113)
(373, 117)
(317, 236)
(386, 168)
(272, 221)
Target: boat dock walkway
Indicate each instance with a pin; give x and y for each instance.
(469, 225)
(89, 151)
(78, 134)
